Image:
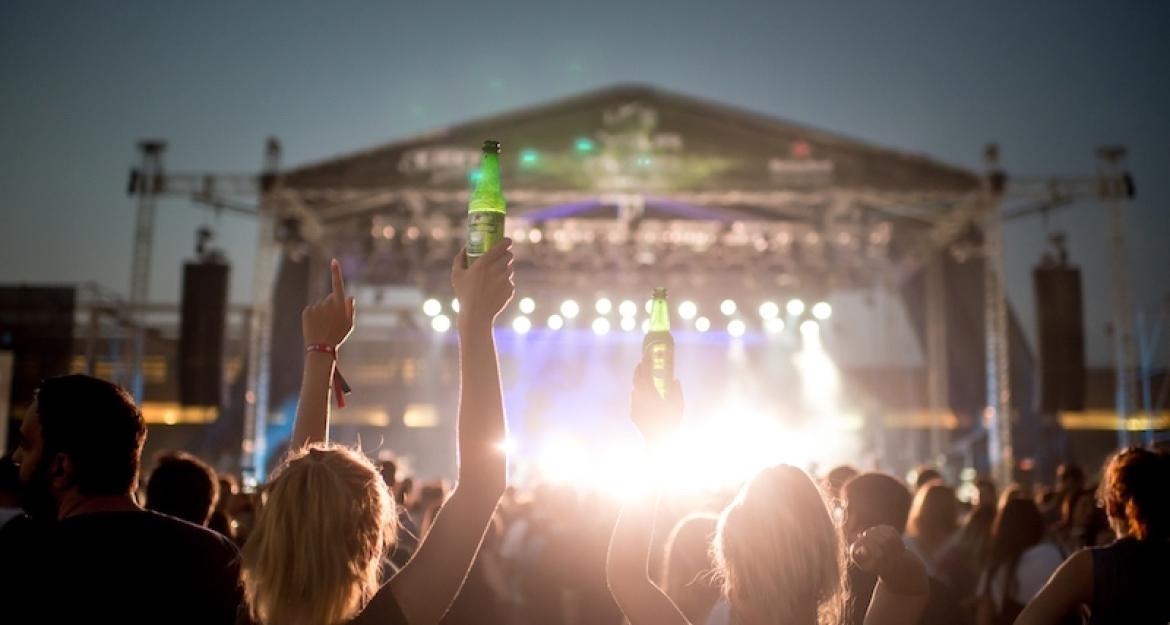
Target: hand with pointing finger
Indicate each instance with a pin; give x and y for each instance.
(329, 321)
(484, 288)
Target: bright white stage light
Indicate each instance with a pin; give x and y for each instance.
(822, 310)
(601, 326)
(527, 305)
(628, 308)
(645, 326)
(455, 305)
(508, 446)
(728, 307)
(555, 322)
(736, 327)
(702, 324)
(441, 323)
(774, 326)
(629, 324)
(795, 307)
(564, 460)
(769, 310)
(810, 329)
(603, 306)
(432, 307)
(570, 309)
(688, 310)
(649, 305)
(521, 324)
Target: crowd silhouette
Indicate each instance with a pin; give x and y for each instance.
(335, 538)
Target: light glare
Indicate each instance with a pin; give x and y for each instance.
(795, 307)
(822, 310)
(769, 310)
(728, 307)
(702, 324)
(570, 309)
(432, 307)
(441, 323)
(736, 328)
(555, 322)
(687, 310)
(601, 326)
(603, 306)
(628, 308)
(527, 305)
(521, 325)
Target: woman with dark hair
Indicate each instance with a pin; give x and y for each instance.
(1124, 582)
(1081, 521)
(960, 564)
(1019, 561)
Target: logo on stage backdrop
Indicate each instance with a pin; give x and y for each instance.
(800, 168)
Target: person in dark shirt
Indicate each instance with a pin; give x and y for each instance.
(876, 499)
(1124, 582)
(87, 551)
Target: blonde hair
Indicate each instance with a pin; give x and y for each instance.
(315, 554)
(780, 556)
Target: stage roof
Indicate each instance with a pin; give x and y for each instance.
(636, 137)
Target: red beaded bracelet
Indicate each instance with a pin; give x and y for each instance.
(340, 386)
(322, 348)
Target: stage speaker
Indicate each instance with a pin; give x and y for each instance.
(201, 334)
(1060, 336)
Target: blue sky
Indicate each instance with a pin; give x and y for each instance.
(82, 82)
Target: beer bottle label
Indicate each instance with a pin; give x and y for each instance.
(484, 230)
(659, 366)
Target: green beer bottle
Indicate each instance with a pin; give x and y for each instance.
(486, 209)
(658, 346)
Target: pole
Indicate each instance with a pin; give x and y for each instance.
(997, 415)
(254, 447)
(147, 182)
(1115, 187)
(936, 349)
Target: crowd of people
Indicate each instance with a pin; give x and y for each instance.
(336, 538)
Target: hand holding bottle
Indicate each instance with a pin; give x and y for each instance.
(484, 288)
(656, 417)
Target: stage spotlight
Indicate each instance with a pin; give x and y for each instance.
(583, 144)
(810, 328)
(441, 323)
(645, 326)
(736, 328)
(649, 305)
(601, 326)
(688, 310)
(702, 324)
(628, 324)
(822, 310)
(774, 325)
(603, 306)
(432, 307)
(769, 310)
(570, 309)
(455, 305)
(521, 325)
(527, 305)
(728, 307)
(555, 322)
(628, 308)
(795, 307)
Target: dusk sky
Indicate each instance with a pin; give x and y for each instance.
(82, 82)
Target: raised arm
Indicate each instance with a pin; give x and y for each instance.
(324, 325)
(642, 602)
(428, 583)
(903, 587)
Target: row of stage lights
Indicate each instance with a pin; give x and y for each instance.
(687, 310)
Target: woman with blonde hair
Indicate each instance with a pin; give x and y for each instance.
(777, 552)
(328, 519)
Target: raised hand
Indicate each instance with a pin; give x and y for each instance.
(879, 550)
(484, 288)
(654, 416)
(329, 321)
